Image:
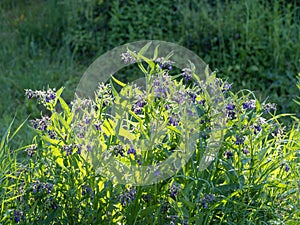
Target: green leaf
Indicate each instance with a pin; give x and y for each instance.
(17, 130)
(149, 62)
(155, 52)
(145, 48)
(6, 134)
(59, 92)
(114, 91)
(64, 106)
(118, 82)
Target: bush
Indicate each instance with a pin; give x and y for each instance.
(253, 176)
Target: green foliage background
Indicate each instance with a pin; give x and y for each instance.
(255, 44)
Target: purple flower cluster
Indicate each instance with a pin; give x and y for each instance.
(104, 95)
(230, 111)
(192, 96)
(51, 203)
(187, 73)
(173, 120)
(174, 190)
(251, 104)
(128, 57)
(80, 104)
(128, 196)
(69, 149)
(179, 97)
(52, 134)
(207, 199)
(239, 140)
(118, 150)
(38, 187)
(269, 107)
(131, 151)
(230, 106)
(164, 64)
(161, 86)
(87, 190)
(246, 151)
(228, 154)
(226, 86)
(42, 96)
(257, 129)
(31, 150)
(287, 168)
(41, 124)
(139, 104)
(98, 126)
(18, 216)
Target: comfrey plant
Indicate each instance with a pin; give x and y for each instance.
(87, 164)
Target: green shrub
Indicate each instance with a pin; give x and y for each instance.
(252, 179)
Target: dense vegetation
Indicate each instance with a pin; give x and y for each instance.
(252, 44)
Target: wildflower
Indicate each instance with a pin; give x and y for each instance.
(164, 64)
(245, 151)
(17, 216)
(29, 93)
(179, 97)
(131, 151)
(38, 186)
(89, 148)
(118, 150)
(35, 187)
(42, 96)
(157, 173)
(139, 104)
(146, 197)
(86, 190)
(98, 126)
(239, 140)
(104, 95)
(192, 96)
(127, 57)
(79, 148)
(286, 167)
(161, 86)
(47, 187)
(173, 120)
(231, 115)
(127, 197)
(187, 73)
(228, 154)
(257, 129)
(50, 95)
(202, 102)
(226, 86)
(249, 105)
(174, 190)
(269, 107)
(68, 149)
(230, 106)
(207, 199)
(52, 134)
(31, 150)
(41, 124)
